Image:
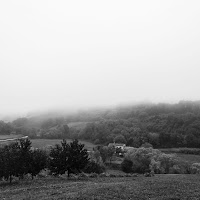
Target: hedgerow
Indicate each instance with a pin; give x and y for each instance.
(18, 159)
(152, 160)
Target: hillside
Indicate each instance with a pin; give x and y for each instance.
(162, 125)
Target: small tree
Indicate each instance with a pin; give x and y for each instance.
(11, 161)
(58, 159)
(107, 153)
(38, 162)
(2, 164)
(96, 157)
(77, 158)
(68, 157)
(104, 153)
(24, 157)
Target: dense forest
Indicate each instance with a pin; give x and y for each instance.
(161, 125)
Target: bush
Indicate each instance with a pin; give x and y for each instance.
(147, 145)
(126, 166)
(195, 168)
(141, 158)
(166, 161)
(178, 169)
(152, 160)
(93, 167)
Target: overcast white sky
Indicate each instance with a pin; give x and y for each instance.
(95, 53)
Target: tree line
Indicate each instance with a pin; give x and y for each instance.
(19, 159)
(162, 125)
(165, 130)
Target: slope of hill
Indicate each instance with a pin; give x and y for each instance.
(162, 125)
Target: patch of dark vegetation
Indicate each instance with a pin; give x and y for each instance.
(19, 160)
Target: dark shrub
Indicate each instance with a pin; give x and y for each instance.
(115, 166)
(127, 166)
(93, 167)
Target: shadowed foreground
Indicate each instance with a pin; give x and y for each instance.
(155, 188)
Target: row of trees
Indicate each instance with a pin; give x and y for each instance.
(18, 159)
(166, 130)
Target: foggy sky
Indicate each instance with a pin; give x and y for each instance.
(78, 54)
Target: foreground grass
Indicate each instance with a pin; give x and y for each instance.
(155, 188)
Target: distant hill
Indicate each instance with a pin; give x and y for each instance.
(162, 125)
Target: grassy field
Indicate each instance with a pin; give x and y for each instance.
(41, 143)
(2, 137)
(159, 187)
(175, 150)
(186, 157)
(190, 158)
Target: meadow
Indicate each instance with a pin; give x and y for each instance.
(191, 158)
(42, 143)
(2, 137)
(159, 187)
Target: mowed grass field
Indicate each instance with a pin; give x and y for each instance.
(42, 143)
(2, 137)
(189, 158)
(186, 157)
(159, 187)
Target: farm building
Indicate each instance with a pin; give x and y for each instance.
(118, 145)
